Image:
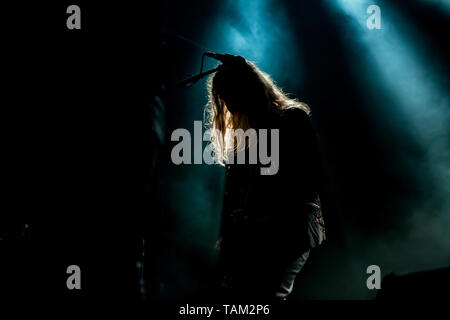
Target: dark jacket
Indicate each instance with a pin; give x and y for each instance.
(268, 221)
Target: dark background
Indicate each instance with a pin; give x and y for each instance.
(78, 141)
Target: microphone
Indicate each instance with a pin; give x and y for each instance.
(225, 58)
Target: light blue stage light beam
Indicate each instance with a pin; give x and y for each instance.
(260, 31)
(405, 66)
(402, 63)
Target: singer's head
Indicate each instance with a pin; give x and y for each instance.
(241, 96)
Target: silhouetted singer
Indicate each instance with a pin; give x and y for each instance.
(269, 222)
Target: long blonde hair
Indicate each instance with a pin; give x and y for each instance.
(256, 93)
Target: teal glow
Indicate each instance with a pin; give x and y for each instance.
(397, 69)
(260, 31)
(403, 65)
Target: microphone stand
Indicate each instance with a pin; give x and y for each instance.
(191, 80)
